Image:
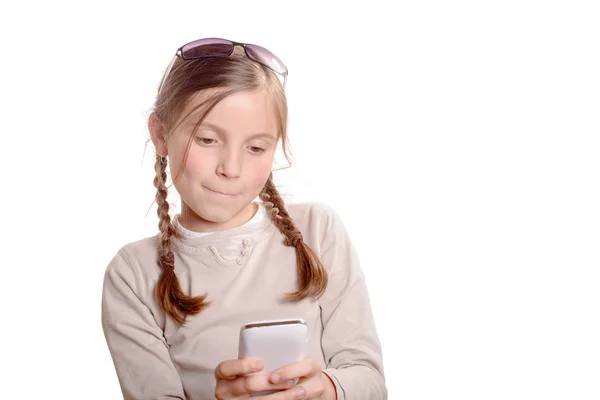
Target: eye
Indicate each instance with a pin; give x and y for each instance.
(207, 141)
(256, 150)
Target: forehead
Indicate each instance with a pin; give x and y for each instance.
(239, 113)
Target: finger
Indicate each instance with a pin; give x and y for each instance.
(255, 383)
(312, 388)
(304, 368)
(230, 369)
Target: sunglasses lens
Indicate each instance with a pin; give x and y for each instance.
(265, 57)
(207, 48)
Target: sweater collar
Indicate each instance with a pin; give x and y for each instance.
(251, 233)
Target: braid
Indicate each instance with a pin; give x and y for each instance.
(312, 275)
(164, 224)
(168, 292)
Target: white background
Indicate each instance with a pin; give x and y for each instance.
(458, 140)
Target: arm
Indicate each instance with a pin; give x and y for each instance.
(136, 343)
(350, 343)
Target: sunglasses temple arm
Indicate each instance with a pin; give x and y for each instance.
(167, 71)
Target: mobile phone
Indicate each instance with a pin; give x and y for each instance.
(276, 342)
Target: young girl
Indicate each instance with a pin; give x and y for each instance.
(173, 304)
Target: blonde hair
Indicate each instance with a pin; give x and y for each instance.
(227, 75)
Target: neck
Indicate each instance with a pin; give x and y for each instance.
(195, 223)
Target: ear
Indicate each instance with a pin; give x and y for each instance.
(157, 133)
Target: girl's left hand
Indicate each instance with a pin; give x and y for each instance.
(312, 384)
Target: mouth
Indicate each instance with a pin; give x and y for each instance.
(226, 195)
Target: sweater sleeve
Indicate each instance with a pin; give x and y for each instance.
(350, 342)
(138, 348)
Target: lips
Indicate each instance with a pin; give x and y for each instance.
(221, 193)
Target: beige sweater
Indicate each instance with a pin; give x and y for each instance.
(246, 271)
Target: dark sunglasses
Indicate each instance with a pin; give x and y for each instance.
(214, 47)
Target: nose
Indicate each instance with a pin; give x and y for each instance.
(230, 164)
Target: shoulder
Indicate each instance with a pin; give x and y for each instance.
(317, 221)
(313, 213)
(311, 210)
(140, 249)
(132, 260)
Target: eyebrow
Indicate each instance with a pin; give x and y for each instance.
(222, 132)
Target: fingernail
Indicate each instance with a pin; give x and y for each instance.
(300, 392)
(256, 364)
(275, 378)
(290, 382)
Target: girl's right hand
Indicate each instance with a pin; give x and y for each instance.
(232, 384)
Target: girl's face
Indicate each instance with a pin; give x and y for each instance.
(228, 163)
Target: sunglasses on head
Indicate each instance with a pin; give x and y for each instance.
(215, 47)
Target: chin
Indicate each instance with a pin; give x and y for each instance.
(216, 215)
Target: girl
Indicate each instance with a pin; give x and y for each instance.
(173, 304)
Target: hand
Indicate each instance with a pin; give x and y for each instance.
(313, 383)
(232, 384)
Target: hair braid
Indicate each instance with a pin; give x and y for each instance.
(169, 295)
(312, 275)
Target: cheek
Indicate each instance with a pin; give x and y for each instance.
(260, 172)
(177, 150)
(196, 164)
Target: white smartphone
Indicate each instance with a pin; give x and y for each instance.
(276, 342)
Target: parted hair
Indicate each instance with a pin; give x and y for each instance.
(226, 76)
